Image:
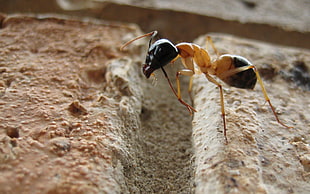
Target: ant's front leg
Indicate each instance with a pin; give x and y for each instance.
(189, 107)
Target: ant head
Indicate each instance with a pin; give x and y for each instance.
(160, 53)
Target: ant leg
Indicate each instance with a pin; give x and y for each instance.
(189, 107)
(211, 79)
(267, 98)
(176, 58)
(190, 85)
(209, 40)
(186, 72)
(260, 81)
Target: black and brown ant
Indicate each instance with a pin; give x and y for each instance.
(234, 70)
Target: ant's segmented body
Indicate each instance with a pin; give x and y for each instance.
(234, 70)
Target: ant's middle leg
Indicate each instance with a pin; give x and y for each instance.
(190, 85)
(211, 79)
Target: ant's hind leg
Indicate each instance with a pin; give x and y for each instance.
(260, 81)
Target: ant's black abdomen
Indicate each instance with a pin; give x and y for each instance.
(244, 79)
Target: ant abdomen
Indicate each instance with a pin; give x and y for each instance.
(244, 79)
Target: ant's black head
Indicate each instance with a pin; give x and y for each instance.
(159, 54)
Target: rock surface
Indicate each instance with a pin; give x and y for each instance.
(262, 156)
(65, 103)
(78, 116)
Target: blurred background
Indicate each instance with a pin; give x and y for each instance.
(283, 22)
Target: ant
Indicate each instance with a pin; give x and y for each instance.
(234, 70)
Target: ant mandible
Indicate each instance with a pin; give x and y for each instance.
(234, 70)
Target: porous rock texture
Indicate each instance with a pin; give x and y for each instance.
(66, 100)
(78, 116)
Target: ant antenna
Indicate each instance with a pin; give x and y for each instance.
(152, 34)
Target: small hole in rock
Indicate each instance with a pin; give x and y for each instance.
(145, 113)
(77, 109)
(249, 4)
(13, 142)
(97, 75)
(267, 71)
(12, 132)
